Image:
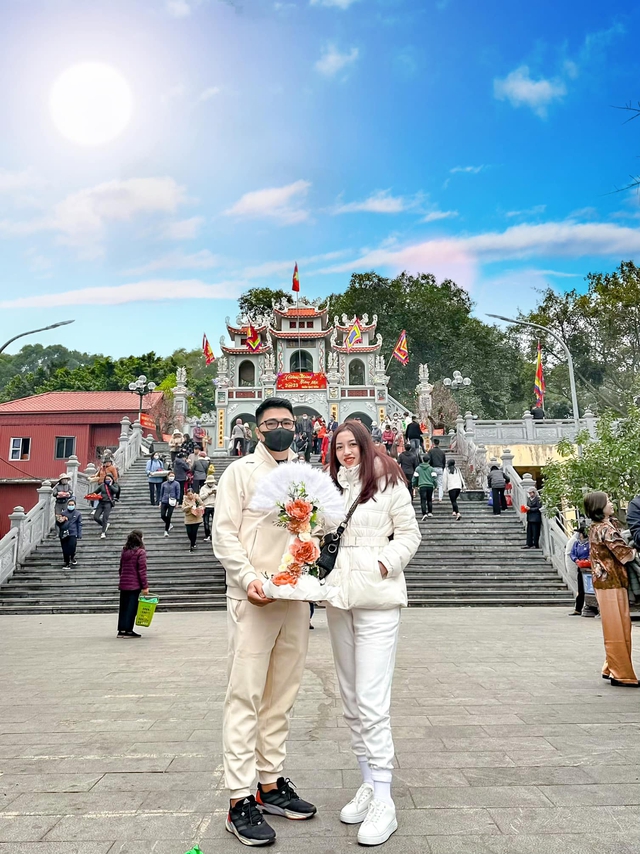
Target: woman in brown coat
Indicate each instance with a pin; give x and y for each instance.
(609, 553)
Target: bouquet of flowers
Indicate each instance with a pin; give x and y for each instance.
(305, 501)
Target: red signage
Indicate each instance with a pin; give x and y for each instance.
(295, 381)
(147, 421)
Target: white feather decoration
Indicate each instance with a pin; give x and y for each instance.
(275, 489)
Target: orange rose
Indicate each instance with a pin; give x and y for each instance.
(296, 527)
(289, 576)
(304, 553)
(299, 510)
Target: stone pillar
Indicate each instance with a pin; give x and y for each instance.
(123, 439)
(73, 464)
(90, 470)
(507, 458)
(44, 498)
(590, 420)
(528, 426)
(17, 518)
(481, 466)
(180, 395)
(528, 482)
(125, 426)
(460, 425)
(468, 422)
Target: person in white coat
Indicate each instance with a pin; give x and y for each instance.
(453, 483)
(369, 588)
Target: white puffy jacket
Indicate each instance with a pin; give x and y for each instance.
(366, 541)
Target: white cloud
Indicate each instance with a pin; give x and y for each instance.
(274, 268)
(468, 170)
(379, 202)
(183, 229)
(18, 182)
(332, 61)
(536, 209)
(338, 4)
(207, 94)
(433, 216)
(520, 89)
(284, 204)
(181, 8)
(81, 219)
(202, 260)
(151, 290)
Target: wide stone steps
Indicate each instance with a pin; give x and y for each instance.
(477, 561)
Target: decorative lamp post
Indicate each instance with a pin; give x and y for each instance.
(457, 382)
(141, 387)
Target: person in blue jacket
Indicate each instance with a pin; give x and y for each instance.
(155, 464)
(169, 499)
(69, 526)
(580, 551)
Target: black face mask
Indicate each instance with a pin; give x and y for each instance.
(278, 439)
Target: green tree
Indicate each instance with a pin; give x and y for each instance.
(609, 463)
(257, 301)
(602, 330)
(442, 332)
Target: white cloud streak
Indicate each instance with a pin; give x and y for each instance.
(151, 290)
(181, 8)
(434, 216)
(203, 260)
(336, 4)
(283, 204)
(208, 94)
(379, 202)
(520, 89)
(18, 182)
(333, 61)
(467, 170)
(533, 211)
(182, 229)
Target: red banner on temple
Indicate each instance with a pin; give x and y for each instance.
(147, 421)
(295, 381)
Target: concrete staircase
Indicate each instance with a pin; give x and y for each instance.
(476, 561)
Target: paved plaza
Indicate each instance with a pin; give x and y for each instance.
(507, 739)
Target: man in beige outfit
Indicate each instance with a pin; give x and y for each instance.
(267, 639)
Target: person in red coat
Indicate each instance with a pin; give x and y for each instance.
(133, 582)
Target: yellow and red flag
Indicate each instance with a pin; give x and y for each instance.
(539, 386)
(354, 335)
(253, 338)
(208, 352)
(296, 279)
(401, 350)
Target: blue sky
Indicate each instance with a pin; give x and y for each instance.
(477, 141)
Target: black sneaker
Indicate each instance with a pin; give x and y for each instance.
(284, 801)
(247, 823)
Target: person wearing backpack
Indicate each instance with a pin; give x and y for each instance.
(426, 479)
(182, 471)
(200, 467)
(69, 524)
(169, 498)
(497, 481)
(154, 465)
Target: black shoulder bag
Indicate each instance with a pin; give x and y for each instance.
(331, 543)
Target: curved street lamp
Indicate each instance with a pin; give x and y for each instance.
(141, 387)
(33, 331)
(457, 382)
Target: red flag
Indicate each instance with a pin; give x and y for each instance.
(401, 350)
(253, 338)
(539, 385)
(208, 352)
(296, 279)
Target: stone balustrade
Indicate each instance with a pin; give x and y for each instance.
(524, 431)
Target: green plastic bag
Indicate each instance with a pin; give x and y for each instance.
(146, 610)
(195, 850)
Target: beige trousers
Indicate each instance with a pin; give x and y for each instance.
(616, 629)
(267, 652)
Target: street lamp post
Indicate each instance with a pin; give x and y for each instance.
(457, 382)
(33, 331)
(561, 342)
(141, 387)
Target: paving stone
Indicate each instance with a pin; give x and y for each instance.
(526, 776)
(55, 847)
(66, 803)
(598, 795)
(140, 826)
(48, 782)
(25, 828)
(480, 796)
(560, 844)
(186, 781)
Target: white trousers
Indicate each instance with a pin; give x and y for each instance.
(439, 478)
(364, 649)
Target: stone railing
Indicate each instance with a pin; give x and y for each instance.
(28, 530)
(555, 530)
(526, 430)
(474, 455)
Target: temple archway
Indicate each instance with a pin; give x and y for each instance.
(367, 420)
(301, 362)
(356, 372)
(247, 374)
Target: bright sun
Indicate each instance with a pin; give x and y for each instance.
(91, 103)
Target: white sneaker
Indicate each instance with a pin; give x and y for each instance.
(424, 517)
(358, 807)
(171, 527)
(379, 824)
(166, 533)
(103, 536)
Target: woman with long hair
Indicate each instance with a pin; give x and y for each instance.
(380, 538)
(608, 554)
(193, 510)
(133, 582)
(453, 483)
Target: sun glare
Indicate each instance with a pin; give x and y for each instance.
(91, 103)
